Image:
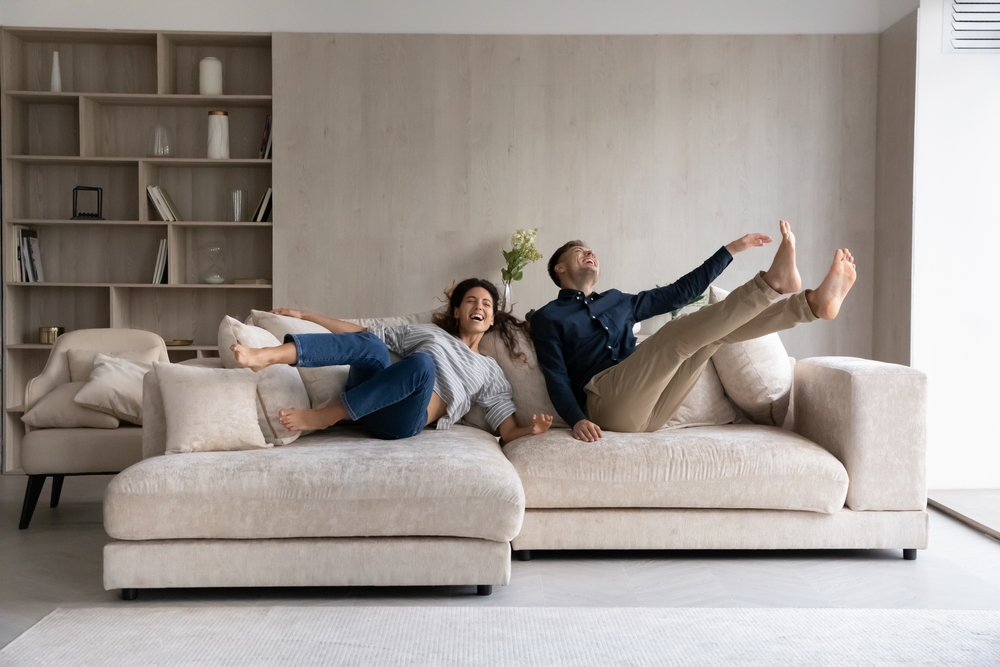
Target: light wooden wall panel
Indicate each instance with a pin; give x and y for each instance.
(897, 78)
(404, 162)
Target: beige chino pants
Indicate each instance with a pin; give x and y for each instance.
(641, 393)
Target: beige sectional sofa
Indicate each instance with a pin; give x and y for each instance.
(337, 508)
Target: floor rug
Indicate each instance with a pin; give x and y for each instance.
(135, 635)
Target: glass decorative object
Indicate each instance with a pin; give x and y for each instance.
(236, 205)
(214, 274)
(161, 144)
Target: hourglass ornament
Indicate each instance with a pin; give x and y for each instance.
(213, 275)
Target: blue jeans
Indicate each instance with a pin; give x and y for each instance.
(388, 400)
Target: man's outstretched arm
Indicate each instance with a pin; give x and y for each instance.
(651, 303)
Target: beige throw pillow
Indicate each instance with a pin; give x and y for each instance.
(705, 405)
(756, 374)
(279, 386)
(322, 384)
(115, 388)
(209, 409)
(81, 362)
(58, 410)
(527, 383)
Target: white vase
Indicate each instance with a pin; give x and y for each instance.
(55, 83)
(218, 135)
(210, 76)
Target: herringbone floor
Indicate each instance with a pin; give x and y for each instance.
(57, 563)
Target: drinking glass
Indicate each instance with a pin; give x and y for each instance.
(237, 203)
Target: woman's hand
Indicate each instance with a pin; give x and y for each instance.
(540, 423)
(748, 241)
(288, 312)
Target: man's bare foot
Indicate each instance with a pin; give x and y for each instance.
(783, 276)
(249, 357)
(296, 419)
(826, 299)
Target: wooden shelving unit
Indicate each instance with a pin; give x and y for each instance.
(118, 86)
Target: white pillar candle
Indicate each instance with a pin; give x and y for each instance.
(218, 135)
(210, 76)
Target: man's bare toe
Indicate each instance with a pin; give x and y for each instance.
(829, 296)
(783, 276)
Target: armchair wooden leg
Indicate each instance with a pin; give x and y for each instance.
(57, 481)
(31, 493)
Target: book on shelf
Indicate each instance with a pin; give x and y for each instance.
(265, 142)
(164, 205)
(29, 257)
(263, 207)
(160, 272)
(18, 274)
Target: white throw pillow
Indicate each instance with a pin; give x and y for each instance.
(58, 410)
(209, 409)
(115, 387)
(279, 385)
(322, 384)
(756, 374)
(705, 405)
(81, 362)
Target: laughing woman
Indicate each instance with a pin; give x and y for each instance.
(441, 373)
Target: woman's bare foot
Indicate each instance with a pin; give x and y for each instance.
(826, 299)
(783, 276)
(249, 357)
(297, 419)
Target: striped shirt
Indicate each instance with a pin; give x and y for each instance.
(462, 377)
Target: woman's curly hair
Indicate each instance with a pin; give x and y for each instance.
(505, 324)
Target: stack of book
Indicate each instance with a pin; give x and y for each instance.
(163, 203)
(28, 256)
(263, 208)
(265, 142)
(160, 272)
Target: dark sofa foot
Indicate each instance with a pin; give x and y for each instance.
(523, 555)
(484, 589)
(31, 493)
(130, 593)
(910, 554)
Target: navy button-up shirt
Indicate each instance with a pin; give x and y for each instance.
(579, 335)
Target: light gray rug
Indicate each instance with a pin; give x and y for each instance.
(134, 635)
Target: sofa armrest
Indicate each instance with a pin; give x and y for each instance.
(154, 419)
(872, 417)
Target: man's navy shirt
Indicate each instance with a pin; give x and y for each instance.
(577, 336)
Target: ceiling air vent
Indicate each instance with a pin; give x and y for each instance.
(971, 26)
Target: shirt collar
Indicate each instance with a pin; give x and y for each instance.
(576, 294)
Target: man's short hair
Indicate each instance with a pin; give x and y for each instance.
(557, 255)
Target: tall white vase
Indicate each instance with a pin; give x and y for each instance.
(55, 84)
(218, 135)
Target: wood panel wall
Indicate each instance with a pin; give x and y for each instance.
(897, 80)
(404, 162)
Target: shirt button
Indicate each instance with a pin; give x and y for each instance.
(593, 317)
(578, 296)
(609, 347)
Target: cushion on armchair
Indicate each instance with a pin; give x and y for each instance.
(115, 388)
(57, 409)
(81, 362)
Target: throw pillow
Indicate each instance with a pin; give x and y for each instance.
(58, 410)
(279, 386)
(115, 388)
(756, 374)
(81, 362)
(209, 409)
(705, 405)
(526, 381)
(322, 384)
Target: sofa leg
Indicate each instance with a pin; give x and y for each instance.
(130, 593)
(523, 555)
(57, 481)
(31, 493)
(910, 554)
(484, 589)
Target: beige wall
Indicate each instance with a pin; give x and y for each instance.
(404, 162)
(897, 79)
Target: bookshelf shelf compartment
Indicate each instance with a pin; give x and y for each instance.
(200, 189)
(246, 62)
(49, 127)
(43, 188)
(76, 307)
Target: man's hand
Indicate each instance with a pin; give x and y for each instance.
(288, 312)
(748, 241)
(587, 431)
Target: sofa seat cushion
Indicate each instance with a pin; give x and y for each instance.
(80, 450)
(733, 466)
(336, 483)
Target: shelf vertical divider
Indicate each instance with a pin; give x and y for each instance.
(88, 127)
(166, 65)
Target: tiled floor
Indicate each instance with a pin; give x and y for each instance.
(57, 563)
